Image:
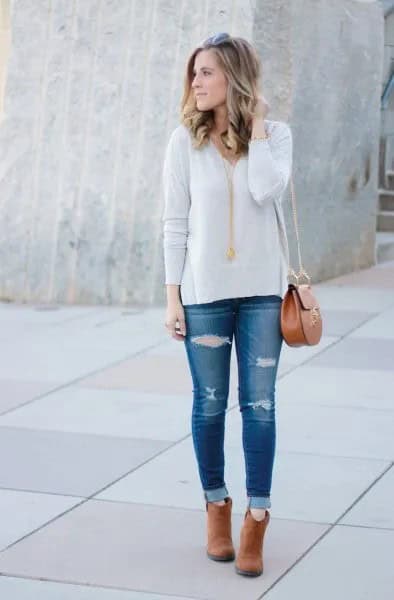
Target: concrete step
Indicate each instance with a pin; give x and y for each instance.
(385, 220)
(390, 180)
(384, 246)
(386, 199)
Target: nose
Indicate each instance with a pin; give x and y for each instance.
(195, 82)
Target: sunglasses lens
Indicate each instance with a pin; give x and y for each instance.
(216, 39)
(220, 37)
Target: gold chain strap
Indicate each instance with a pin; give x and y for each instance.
(291, 272)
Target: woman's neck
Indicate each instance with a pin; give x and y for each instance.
(221, 119)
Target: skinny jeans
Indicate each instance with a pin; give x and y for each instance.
(253, 322)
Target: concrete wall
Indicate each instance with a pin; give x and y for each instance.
(92, 94)
(387, 112)
(337, 74)
(5, 40)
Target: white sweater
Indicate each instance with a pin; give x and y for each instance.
(197, 211)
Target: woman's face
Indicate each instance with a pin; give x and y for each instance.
(209, 83)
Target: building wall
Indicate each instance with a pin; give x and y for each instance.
(5, 39)
(387, 112)
(337, 70)
(92, 94)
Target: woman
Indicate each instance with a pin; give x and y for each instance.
(225, 171)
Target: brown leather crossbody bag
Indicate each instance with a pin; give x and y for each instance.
(300, 316)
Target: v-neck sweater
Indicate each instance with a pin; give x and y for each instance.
(196, 217)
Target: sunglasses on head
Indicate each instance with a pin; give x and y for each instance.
(216, 39)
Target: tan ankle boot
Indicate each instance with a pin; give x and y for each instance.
(250, 554)
(220, 545)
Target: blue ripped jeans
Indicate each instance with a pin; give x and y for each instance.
(254, 322)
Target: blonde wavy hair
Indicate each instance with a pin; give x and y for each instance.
(242, 69)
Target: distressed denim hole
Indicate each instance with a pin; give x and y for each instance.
(265, 403)
(265, 362)
(212, 406)
(212, 341)
(210, 395)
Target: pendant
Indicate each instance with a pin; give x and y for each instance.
(230, 252)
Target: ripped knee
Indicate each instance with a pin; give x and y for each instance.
(265, 403)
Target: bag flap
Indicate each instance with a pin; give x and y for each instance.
(306, 297)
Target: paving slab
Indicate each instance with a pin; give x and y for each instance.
(297, 356)
(22, 512)
(330, 387)
(54, 361)
(357, 353)
(14, 393)
(349, 562)
(330, 431)
(147, 548)
(376, 507)
(381, 326)
(329, 484)
(344, 297)
(337, 323)
(31, 589)
(379, 276)
(171, 374)
(35, 316)
(284, 368)
(107, 412)
(100, 337)
(68, 463)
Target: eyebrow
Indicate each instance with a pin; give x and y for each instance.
(210, 68)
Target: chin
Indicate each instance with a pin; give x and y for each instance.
(204, 106)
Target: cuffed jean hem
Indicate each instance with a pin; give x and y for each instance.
(216, 495)
(259, 502)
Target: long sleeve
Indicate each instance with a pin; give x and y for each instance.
(175, 176)
(270, 164)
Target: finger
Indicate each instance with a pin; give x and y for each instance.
(178, 336)
(182, 326)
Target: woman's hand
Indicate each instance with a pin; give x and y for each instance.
(176, 314)
(261, 108)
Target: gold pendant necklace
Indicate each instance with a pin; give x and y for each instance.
(230, 250)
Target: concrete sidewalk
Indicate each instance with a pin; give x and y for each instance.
(99, 492)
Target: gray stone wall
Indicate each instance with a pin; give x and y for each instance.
(387, 112)
(92, 94)
(5, 39)
(337, 70)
